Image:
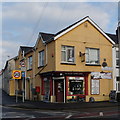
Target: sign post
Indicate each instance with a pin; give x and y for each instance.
(16, 74)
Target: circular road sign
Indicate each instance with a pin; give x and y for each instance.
(16, 74)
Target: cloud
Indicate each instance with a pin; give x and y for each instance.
(31, 13)
(61, 0)
(7, 49)
(22, 21)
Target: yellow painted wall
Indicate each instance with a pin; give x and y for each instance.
(49, 50)
(82, 37)
(12, 87)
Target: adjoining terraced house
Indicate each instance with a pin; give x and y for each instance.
(67, 66)
(116, 63)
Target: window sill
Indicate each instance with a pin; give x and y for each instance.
(66, 63)
(95, 94)
(92, 64)
(40, 66)
(29, 69)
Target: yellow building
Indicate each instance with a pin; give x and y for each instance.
(24, 84)
(69, 65)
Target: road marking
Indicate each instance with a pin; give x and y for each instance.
(68, 116)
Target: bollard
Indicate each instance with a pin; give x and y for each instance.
(16, 96)
(101, 113)
(23, 96)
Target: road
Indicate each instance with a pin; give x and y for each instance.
(110, 112)
(31, 114)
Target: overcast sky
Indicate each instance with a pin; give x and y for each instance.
(22, 21)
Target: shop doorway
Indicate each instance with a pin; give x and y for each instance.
(59, 90)
(47, 90)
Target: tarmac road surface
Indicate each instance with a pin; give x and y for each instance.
(21, 111)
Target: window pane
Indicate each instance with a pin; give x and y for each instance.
(117, 78)
(67, 54)
(41, 58)
(63, 47)
(87, 55)
(92, 56)
(118, 86)
(117, 54)
(117, 62)
(30, 62)
(76, 85)
(63, 56)
(70, 57)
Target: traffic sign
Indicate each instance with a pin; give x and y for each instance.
(23, 73)
(16, 74)
(22, 63)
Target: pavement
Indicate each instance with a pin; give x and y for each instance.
(11, 102)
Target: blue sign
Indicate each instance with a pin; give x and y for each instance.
(23, 73)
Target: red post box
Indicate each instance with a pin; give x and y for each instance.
(37, 89)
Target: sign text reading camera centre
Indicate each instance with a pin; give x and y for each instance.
(16, 74)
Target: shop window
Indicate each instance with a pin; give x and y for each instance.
(29, 63)
(92, 56)
(95, 86)
(41, 58)
(67, 54)
(76, 85)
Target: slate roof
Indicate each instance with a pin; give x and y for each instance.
(113, 37)
(47, 37)
(26, 48)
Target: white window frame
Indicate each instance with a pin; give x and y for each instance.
(29, 66)
(41, 58)
(87, 56)
(66, 53)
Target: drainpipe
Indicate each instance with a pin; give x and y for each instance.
(119, 43)
(46, 54)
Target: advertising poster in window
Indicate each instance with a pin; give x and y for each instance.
(95, 89)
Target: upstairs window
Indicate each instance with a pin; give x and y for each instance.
(117, 58)
(67, 54)
(41, 58)
(92, 56)
(29, 63)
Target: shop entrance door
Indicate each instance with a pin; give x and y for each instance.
(59, 90)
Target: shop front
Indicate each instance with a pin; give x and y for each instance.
(64, 86)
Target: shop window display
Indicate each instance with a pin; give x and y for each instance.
(76, 85)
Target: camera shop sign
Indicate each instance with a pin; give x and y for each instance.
(101, 75)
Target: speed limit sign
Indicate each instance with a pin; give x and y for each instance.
(16, 74)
